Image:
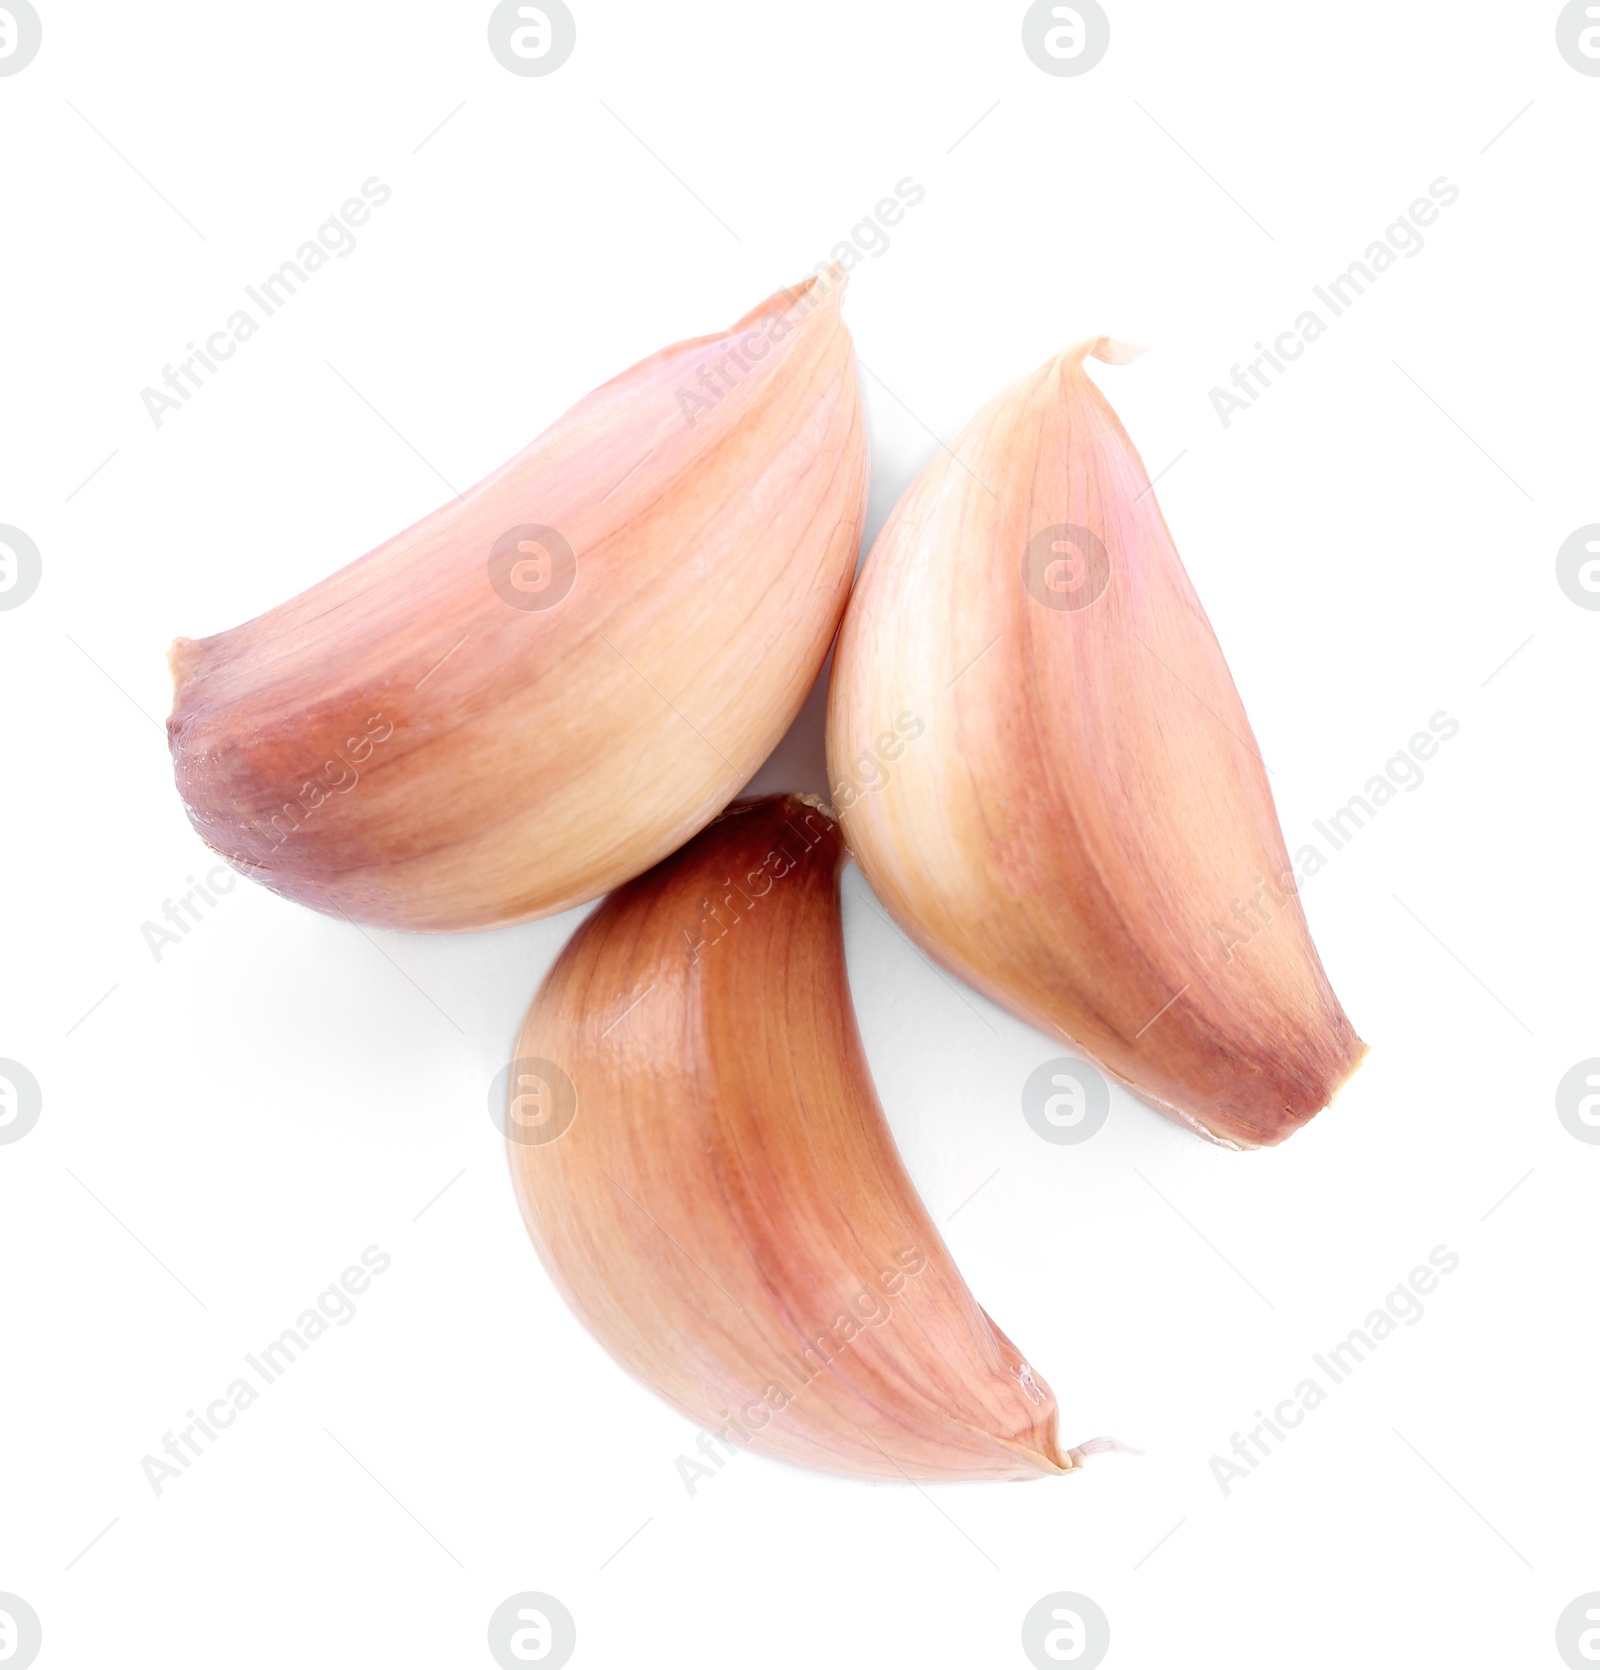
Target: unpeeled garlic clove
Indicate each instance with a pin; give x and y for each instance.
(550, 683)
(1085, 832)
(705, 1170)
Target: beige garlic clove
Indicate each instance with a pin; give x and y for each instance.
(705, 1170)
(552, 682)
(1087, 810)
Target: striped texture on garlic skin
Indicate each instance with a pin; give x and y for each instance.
(1088, 806)
(726, 1211)
(404, 746)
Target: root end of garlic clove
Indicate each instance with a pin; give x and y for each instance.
(1357, 1061)
(182, 657)
(1293, 1121)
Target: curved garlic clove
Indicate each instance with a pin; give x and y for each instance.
(1085, 832)
(549, 684)
(705, 1170)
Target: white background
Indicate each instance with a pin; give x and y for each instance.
(229, 1127)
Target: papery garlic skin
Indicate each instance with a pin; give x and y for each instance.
(1086, 831)
(420, 743)
(705, 1170)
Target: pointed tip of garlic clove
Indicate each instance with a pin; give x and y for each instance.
(833, 281)
(815, 288)
(817, 804)
(836, 272)
(1105, 348)
(1078, 1455)
(1057, 1462)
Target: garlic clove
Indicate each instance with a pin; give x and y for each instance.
(1086, 832)
(550, 683)
(705, 1170)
